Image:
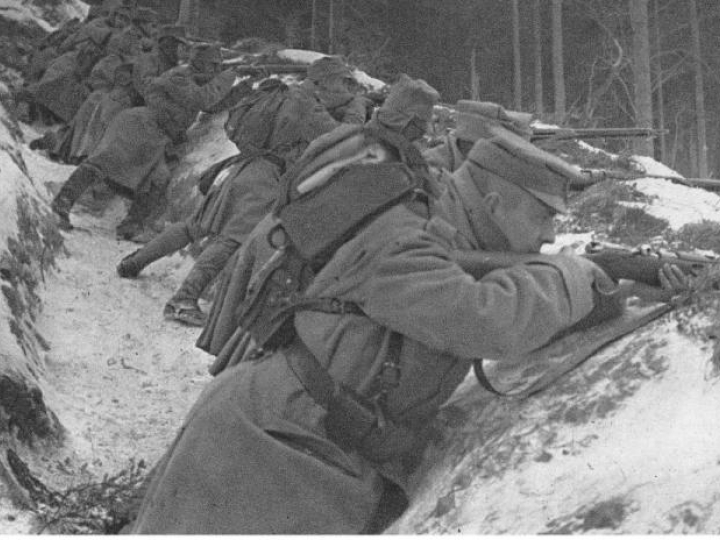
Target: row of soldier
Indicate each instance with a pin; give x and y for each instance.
(316, 426)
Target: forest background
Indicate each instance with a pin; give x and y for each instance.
(577, 63)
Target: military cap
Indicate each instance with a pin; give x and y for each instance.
(327, 67)
(145, 14)
(173, 31)
(408, 98)
(515, 160)
(474, 119)
(204, 52)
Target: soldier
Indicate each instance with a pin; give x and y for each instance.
(332, 82)
(231, 209)
(62, 88)
(164, 56)
(92, 118)
(474, 119)
(131, 154)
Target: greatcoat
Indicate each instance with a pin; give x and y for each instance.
(131, 153)
(253, 455)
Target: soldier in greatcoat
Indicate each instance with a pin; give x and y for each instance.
(163, 57)
(475, 119)
(331, 81)
(257, 453)
(131, 156)
(242, 195)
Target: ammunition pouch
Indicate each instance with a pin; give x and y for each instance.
(353, 422)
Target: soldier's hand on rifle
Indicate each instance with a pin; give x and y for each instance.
(673, 280)
(672, 283)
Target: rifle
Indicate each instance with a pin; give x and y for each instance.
(591, 133)
(593, 176)
(266, 69)
(618, 262)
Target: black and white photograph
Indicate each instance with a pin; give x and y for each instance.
(342, 267)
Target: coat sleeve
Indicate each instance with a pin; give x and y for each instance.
(417, 290)
(209, 94)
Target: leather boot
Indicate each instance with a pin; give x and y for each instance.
(172, 239)
(183, 306)
(70, 192)
(140, 210)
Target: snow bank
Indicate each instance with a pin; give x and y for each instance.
(41, 13)
(626, 444)
(308, 57)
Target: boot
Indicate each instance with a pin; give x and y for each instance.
(183, 306)
(70, 192)
(172, 239)
(140, 210)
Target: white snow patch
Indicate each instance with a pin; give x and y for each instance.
(308, 57)
(677, 203)
(655, 168)
(24, 12)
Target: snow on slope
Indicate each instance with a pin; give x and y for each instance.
(24, 11)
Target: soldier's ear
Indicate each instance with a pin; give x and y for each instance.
(493, 202)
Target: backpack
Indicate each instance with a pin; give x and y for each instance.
(344, 180)
(251, 122)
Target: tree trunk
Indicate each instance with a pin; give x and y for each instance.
(331, 27)
(558, 63)
(699, 92)
(659, 84)
(641, 72)
(188, 16)
(517, 69)
(537, 32)
(313, 26)
(474, 77)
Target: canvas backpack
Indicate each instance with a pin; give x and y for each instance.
(251, 122)
(344, 180)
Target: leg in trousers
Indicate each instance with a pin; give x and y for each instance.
(71, 190)
(172, 239)
(140, 209)
(183, 306)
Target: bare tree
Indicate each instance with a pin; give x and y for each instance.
(189, 16)
(313, 25)
(517, 70)
(641, 71)
(331, 27)
(537, 34)
(659, 84)
(558, 62)
(699, 92)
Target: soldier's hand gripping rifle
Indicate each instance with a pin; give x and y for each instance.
(637, 264)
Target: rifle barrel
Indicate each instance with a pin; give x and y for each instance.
(266, 68)
(591, 133)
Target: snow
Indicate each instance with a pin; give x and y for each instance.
(121, 379)
(677, 203)
(308, 57)
(25, 12)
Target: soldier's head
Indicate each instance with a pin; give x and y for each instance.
(481, 119)
(170, 40)
(522, 188)
(206, 59)
(121, 16)
(408, 108)
(330, 73)
(146, 19)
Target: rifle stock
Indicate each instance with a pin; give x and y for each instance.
(618, 263)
